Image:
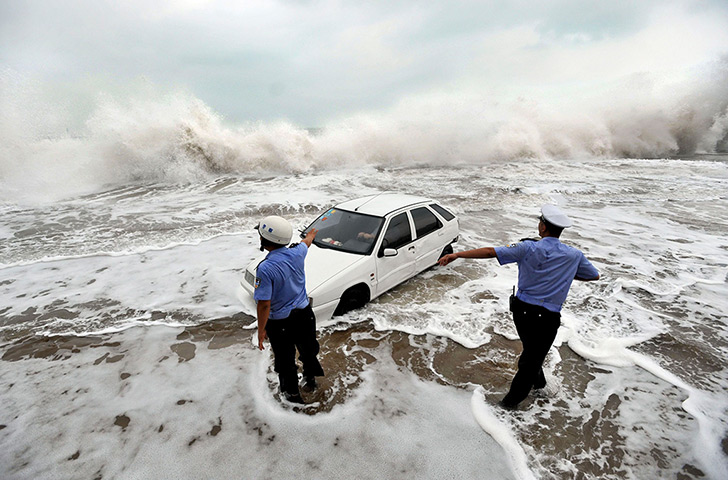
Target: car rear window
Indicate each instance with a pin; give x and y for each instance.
(443, 213)
(425, 221)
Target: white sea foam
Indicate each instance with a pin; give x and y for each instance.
(501, 434)
(393, 425)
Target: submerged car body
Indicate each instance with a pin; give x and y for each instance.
(369, 245)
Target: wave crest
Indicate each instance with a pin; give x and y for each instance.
(175, 137)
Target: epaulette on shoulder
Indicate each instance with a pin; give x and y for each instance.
(294, 245)
(529, 239)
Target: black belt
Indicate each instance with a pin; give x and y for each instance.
(516, 302)
(294, 313)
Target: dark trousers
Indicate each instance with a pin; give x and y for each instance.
(298, 331)
(537, 329)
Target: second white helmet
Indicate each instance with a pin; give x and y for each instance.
(275, 229)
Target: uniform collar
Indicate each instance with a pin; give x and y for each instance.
(550, 239)
(276, 251)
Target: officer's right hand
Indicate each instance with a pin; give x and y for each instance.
(308, 239)
(261, 337)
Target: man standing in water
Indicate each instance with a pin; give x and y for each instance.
(284, 313)
(546, 268)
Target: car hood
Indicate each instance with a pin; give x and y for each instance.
(324, 263)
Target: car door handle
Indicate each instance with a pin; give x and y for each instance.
(412, 248)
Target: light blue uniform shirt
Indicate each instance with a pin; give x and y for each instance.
(546, 269)
(280, 278)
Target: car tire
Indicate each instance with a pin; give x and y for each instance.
(446, 251)
(353, 298)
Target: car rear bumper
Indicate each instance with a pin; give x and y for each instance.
(325, 311)
(244, 292)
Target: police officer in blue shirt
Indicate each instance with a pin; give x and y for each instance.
(546, 268)
(284, 314)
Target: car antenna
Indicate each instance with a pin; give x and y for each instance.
(373, 197)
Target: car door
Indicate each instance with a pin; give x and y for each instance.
(429, 238)
(392, 271)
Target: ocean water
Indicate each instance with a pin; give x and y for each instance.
(126, 353)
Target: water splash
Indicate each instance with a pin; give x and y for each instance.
(144, 135)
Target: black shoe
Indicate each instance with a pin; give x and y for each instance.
(293, 397)
(507, 406)
(309, 384)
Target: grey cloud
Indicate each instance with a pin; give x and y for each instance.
(302, 60)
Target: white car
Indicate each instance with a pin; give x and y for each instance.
(367, 246)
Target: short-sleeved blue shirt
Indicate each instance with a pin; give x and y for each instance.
(546, 269)
(280, 278)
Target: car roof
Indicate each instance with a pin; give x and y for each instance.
(382, 203)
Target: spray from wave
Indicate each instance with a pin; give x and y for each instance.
(53, 147)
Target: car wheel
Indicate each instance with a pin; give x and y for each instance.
(353, 298)
(446, 251)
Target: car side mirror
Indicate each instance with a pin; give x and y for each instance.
(390, 252)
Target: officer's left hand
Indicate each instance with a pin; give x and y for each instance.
(447, 259)
(261, 337)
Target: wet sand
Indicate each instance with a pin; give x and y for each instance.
(549, 435)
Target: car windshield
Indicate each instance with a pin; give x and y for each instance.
(346, 231)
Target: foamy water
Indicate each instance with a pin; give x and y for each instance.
(137, 231)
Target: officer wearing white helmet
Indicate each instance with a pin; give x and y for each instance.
(546, 268)
(284, 314)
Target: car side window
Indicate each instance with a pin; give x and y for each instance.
(425, 221)
(398, 232)
(443, 213)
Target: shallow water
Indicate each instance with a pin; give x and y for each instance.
(125, 352)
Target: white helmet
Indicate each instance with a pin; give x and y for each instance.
(275, 229)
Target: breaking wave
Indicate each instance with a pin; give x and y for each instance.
(148, 136)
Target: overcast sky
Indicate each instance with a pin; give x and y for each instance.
(312, 62)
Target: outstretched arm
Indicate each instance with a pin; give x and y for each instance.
(308, 239)
(485, 252)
